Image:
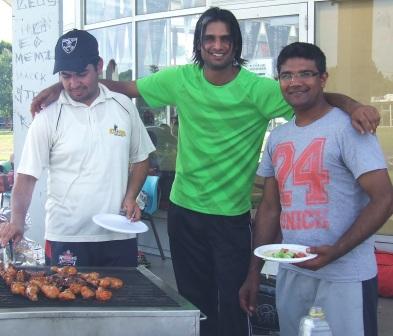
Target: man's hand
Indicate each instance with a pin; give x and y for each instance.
(248, 292)
(325, 255)
(131, 208)
(45, 98)
(11, 230)
(365, 118)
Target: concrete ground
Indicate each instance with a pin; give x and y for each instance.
(163, 269)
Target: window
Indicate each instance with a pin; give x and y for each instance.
(162, 43)
(114, 45)
(103, 10)
(155, 6)
(263, 39)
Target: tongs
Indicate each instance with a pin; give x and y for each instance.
(8, 250)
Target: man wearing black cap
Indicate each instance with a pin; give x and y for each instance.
(87, 152)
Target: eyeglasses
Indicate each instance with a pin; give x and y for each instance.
(289, 76)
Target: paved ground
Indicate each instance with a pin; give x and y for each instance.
(164, 270)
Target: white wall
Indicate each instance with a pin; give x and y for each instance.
(36, 28)
(6, 26)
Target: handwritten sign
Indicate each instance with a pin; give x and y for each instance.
(36, 28)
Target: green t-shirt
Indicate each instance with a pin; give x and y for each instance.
(221, 129)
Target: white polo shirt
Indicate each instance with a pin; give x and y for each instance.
(87, 150)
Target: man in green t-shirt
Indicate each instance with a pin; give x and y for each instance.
(223, 113)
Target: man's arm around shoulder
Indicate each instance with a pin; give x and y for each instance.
(52, 93)
(129, 89)
(365, 118)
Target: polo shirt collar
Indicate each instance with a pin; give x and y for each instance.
(104, 95)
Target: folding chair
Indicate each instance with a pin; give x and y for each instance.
(151, 189)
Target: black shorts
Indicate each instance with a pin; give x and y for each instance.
(121, 253)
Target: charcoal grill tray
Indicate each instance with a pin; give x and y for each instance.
(138, 291)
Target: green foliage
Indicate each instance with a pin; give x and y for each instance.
(5, 46)
(5, 79)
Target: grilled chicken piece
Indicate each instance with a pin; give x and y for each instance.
(103, 294)
(76, 288)
(67, 295)
(39, 281)
(11, 270)
(32, 291)
(8, 274)
(18, 288)
(50, 291)
(87, 292)
(21, 276)
(90, 276)
(111, 282)
(29, 284)
(9, 279)
(104, 282)
(38, 274)
(93, 282)
(65, 271)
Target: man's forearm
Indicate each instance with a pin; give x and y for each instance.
(371, 218)
(136, 178)
(379, 189)
(127, 88)
(22, 192)
(341, 101)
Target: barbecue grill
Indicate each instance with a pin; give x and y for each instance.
(144, 306)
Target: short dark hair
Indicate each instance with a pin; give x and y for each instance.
(215, 14)
(303, 50)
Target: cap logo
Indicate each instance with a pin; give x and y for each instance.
(69, 44)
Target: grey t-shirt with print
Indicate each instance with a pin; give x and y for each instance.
(316, 167)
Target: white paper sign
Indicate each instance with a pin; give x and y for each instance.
(36, 28)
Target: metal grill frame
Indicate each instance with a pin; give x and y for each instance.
(104, 320)
(136, 292)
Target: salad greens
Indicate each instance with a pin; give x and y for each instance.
(287, 254)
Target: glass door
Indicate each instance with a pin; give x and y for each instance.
(266, 30)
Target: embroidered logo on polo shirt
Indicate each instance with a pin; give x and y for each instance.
(116, 131)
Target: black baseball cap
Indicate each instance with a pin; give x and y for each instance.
(75, 50)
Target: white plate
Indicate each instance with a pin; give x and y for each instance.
(266, 252)
(119, 223)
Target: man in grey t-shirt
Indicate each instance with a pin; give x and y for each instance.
(326, 187)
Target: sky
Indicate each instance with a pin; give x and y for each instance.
(6, 22)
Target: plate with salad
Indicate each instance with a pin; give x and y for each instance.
(285, 253)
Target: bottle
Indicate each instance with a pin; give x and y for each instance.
(314, 324)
